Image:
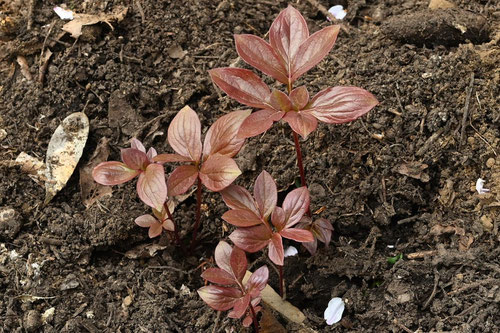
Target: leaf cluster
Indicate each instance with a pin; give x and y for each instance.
(261, 222)
(229, 291)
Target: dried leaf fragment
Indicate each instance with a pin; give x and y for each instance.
(64, 151)
(74, 27)
(414, 170)
(271, 297)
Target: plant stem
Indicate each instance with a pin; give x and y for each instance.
(254, 317)
(280, 268)
(176, 229)
(299, 159)
(198, 214)
(170, 217)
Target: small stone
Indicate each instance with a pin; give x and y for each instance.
(3, 134)
(440, 4)
(487, 223)
(127, 301)
(32, 321)
(490, 162)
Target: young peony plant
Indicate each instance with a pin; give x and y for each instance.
(290, 53)
(210, 164)
(151, 186)
(229, 291)
(261, 223)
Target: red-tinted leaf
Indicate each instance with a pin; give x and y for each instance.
(184, 134)
(240, 307)
(295, 205)
(258, 53)
(313, 50)
(287, 33)
(219, 298)
(259, 122)
(219, 276)
(181, 179)
(221, 136)
(155, 230)
(299, 97)
(280, 101)
(243, 85)
(298, 235)
(237, 197)
(257, 281)
(151, 186)
(265, 193)
(136, 144)
(239, 263)
(276, 251)
(168, 158)
(145, 221)
(322, 228)
(168, 225)
(341, 104)
(251, 239)
(218, 172)
(151, 153)
(134, 159)
(278, 218)
(247, 321)
(301, 122)
(223, 256)
(312, 247)
(113, 173)
(241, 218)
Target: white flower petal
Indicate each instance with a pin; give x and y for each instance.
(290, 251)
(333, 312)
(338, 12)
(479, 186)
(63, 14)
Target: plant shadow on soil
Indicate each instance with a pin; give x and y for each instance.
(72, 259)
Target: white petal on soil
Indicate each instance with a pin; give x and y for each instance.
(64, 152)
(479, 186)
(290, 251)
(333, 312)
(64, 14)
(338, 12)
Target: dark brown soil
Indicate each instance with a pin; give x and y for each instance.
(369, 175)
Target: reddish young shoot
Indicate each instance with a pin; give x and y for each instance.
(210, 163)
(229, 291)
(151, 186)
(290, 52)
(261, 223)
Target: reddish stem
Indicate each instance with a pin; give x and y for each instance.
(299, 159)
(254, 317)
(176, 229)
(300, 164)
(198, 214)
(280, 269)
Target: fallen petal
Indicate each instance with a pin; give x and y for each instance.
(333, 312)
(479, 186)
(290, 251)
(338, 12)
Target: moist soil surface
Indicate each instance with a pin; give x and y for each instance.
(398, 183)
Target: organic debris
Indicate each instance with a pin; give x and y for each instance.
(64, 152)
(74, 27)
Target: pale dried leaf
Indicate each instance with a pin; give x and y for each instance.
(274, 300)
(74, 27)
(144, 251)
(64, 151)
